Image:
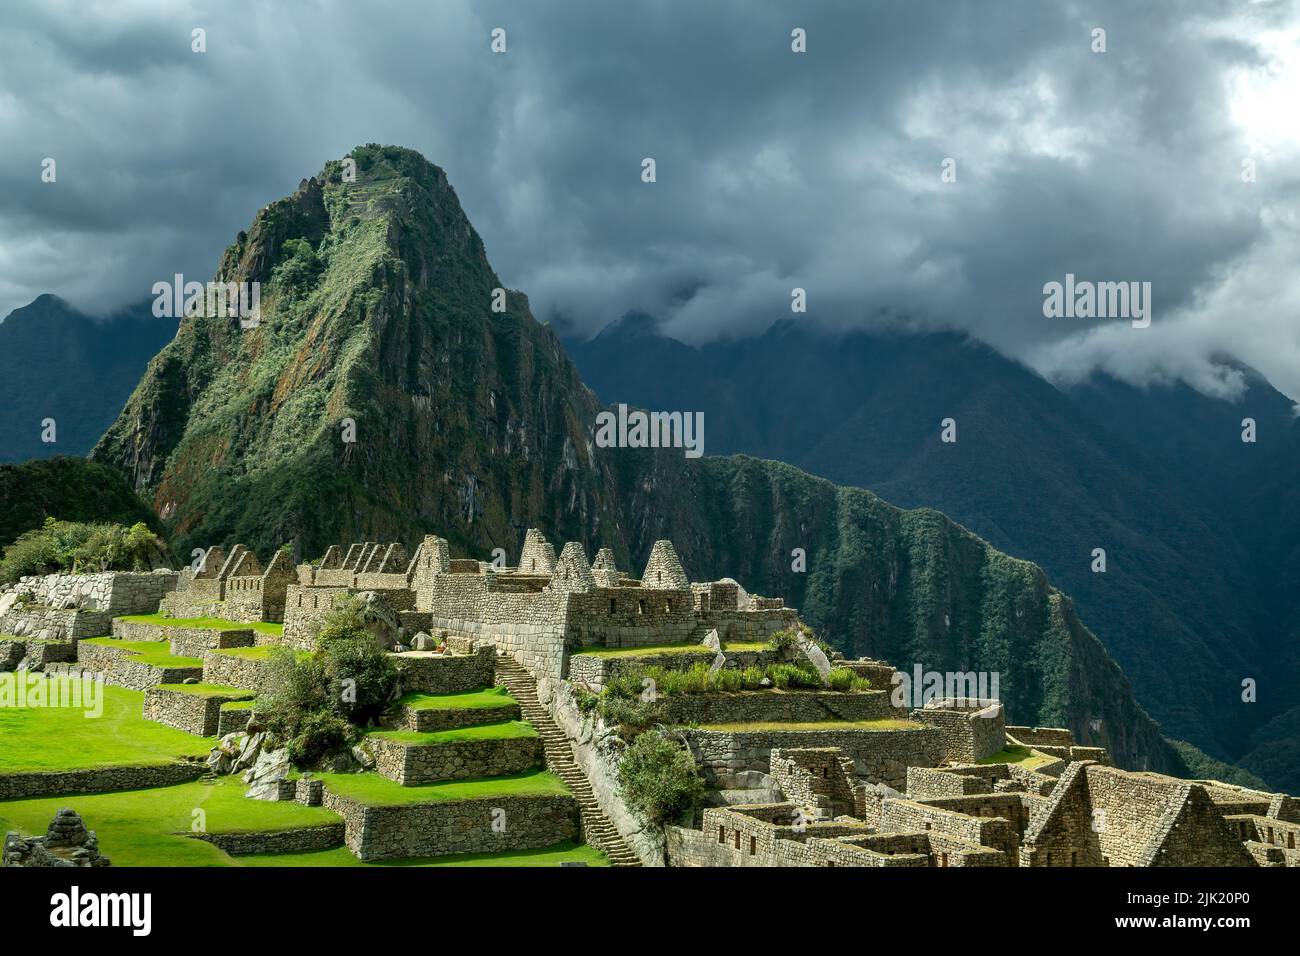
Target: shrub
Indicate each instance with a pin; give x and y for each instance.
(319, 735)
(793, 675)
(751, 678)
(841, 678)
(83, 548)
(359, 678)
(658, 778)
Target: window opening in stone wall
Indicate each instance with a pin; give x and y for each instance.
(612, 605)
(640, 606)
(753, 846)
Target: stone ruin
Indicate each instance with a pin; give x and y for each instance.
(67, 842)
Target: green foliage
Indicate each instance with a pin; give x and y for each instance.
(658, 778)
(71, 488)
(841, 678)
(82, 548)
(299, 266)
(785, 676)
(315, 703)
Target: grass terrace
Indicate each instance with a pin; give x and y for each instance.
(155, 653)
(148, 827)
(257, 653)
(884, 723)
(470, 700)
(566, 852)
(505, 730)
(211, 623)
(371, 789)
(239, 704)
(1025, 757)
(36, 739)
(649, 650)
(208, 690)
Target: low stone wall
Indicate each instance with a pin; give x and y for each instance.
(41, 655)
(195, 641)
(882, 756)
(775, 706)
(428, 673)
(1041, 736)
(454, 826)
(302, 840)
(112, 592)
(231, 671)
(971, 734)
(11, 652)
(136, 631)
(121, 668)
(198, 714)
(54, 624)
(16, 786)
(596, 671)
(445, 718)
(414, 764)
(233, 721)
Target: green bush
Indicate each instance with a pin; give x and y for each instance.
(82, 548)
(658, 778)
(785, 676)
(841, 678)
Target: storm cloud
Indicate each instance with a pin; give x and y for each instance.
(819, 170)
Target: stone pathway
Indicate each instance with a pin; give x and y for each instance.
(596, 826)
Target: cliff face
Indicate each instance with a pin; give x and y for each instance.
(474, 423)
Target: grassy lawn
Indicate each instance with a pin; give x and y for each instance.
(239, 704)
(64, 738)
(372, 789)
(1024, 756)
(157, 653)
(140, 827)
(212, 623)
(650, 650)
(341, 856)
(471, 700)
(208, 690)
(884, 723)
(505, 730)
(262, 653)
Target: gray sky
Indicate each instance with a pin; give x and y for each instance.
(820, 170)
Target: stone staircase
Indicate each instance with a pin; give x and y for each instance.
(597, 828)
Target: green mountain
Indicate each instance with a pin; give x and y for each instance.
(70, 489)
(56, 362)
(378, 324)
(1157, 477)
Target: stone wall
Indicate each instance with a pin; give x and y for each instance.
(910, 816)
(302, 840)
(196, 641)
(111, 592)
(54, 624)
(454, 826)
(970, 733)
(775, 706)
(428, 673)
(413, 764)
(121, 668)
(231, 671)
(198, 714)
(881, 756)
(430, 719)
(16, 786)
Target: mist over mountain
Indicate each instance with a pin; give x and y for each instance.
(377, 322)
(1199, 589)
(61, 364)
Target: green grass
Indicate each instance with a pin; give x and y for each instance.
(1024, 756)
(63, 738)
(650, 650)
(262, 653)
(211, 623)
(207, 690)
(374, 790)
(238, 704)
(142, 827)
(155, 653)
(884, 723)
(471, 700)
(341, 856)
(505, 730)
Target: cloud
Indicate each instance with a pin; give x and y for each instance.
(775, 170)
